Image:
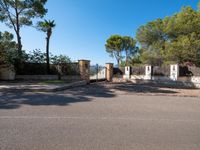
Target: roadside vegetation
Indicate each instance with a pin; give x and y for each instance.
(173, 39)
(19, 13)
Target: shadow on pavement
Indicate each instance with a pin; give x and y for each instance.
(15, 99)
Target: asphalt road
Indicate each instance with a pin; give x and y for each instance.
(98, 118)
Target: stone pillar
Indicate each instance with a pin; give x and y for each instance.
(84, 68)
(109, 71)
(127, 72)
(174, 72)
(148, 72)
(7, 72)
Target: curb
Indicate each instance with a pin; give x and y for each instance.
(71, 85)
(162, 94)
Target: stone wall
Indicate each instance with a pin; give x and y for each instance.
(83, 67)
(7, 72)
(173, 79)
(195, 80)
(144, 77)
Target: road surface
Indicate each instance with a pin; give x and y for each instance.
(98, 118)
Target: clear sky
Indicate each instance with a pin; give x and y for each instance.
(82, 26)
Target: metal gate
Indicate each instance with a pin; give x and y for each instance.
(97, 72)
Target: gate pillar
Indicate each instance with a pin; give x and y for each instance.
(127, 72)
(148, 72)
(109, 71)
(84, 68)
(174, 72)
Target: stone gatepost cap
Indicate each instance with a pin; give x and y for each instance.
(83, 60)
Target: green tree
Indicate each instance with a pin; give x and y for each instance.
(36, 56)
(136, 60)
(7, 49)
(47, 26)
(114, 46)
(183, 23)
(151, 34)
(183, 30)
(152, 39)
(61, 59)
(172, 39)
(6, 41)
(130, 48)
(186, 48)
(18, 13)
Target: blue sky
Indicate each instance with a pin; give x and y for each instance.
(82, 26)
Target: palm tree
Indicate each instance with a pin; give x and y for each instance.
(47, 26)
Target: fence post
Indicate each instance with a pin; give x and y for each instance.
(109, 71)
(148, 72)
(84, 68)
(127, 72)
(174, 72)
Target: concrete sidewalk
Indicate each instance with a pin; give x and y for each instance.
(33, 86)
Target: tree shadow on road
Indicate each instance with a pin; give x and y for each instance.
(15, 99)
